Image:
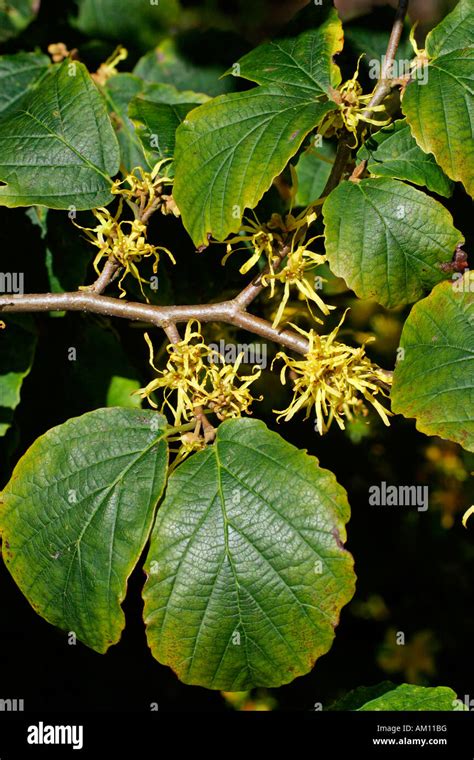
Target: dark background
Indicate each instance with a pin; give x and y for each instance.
(414, 569)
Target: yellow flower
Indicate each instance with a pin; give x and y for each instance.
(352, 105)
(226, 399)
(467, 514)
(145, 191)
(183, 375)
(192, 379)
(127, 249)
(333, 379)
(260, 238)
(298, 263)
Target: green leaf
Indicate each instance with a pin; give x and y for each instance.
(140, 24)
(304, 62)
(387, 239)
(38, 215)
(407, 697)
(455, 31)
(433, 382)
(166, 64)
(18, 74)
(313, 169)
(15, 15)
(121, 392)
(76, 515)
(230, 149)
(439, 105)
(157, 113)
(393, 152)
(17, 349)
(246, 570)
(119, 91)
(58, 148)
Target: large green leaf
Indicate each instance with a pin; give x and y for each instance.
(230, 149)
(387, 239)
(17, 350)
(119, 91)
(456, 31)
(312, 170)
(15, 15)
(440, 111)
(157, 113)
(394, 152)
(139, 23)
(434, 381)
(246, 569)
(304, 62)
(76, 514)
(18, 73)
(166, 64)
(408, 697)
(58, 148)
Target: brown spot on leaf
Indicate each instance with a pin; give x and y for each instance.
(337, 537)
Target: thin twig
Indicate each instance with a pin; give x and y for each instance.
(383, 86)
(172, 333)
(382, 89)
(108, 275)
(343, 155)
(208, 429)
(147, 213)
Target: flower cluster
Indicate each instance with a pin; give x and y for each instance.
(124, 242)
(283, 242)
(145, 192)
(195, 379)
(352, 106)
(293, 273)
(335, 380)
(261, 240)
